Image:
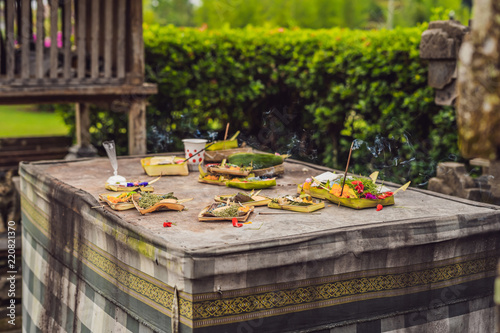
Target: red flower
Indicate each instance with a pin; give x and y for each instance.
(236, 224)
(379, 207)
(359, 186)
(385, 195)
(167, 224)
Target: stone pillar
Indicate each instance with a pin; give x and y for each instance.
(440, 45)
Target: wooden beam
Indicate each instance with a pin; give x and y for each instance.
(137, 43)
(81, 19)
(82, 123)
(137, 127)
(25, 38)
(9, 33)
(94, 40)
(72, 94)
(87, 89)
(40, 36)
(54, 6)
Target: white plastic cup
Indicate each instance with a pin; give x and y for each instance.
(191, 149)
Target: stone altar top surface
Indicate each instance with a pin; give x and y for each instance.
(416, 212)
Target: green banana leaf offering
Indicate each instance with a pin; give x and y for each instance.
(302, 203)
(256, 161)
(224, 144)
(353, 192)
(251, 183)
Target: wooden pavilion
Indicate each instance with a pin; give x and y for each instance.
(76, 51)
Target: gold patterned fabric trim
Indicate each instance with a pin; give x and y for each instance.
(212, 312)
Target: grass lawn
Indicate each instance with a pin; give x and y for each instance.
(25, 120)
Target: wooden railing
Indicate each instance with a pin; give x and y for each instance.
(92, 42)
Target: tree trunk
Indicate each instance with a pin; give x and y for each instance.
(478, 112)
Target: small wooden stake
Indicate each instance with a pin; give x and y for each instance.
(346, 168)
(227, 130)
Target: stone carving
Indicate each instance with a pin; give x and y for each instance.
(440, 44)
(453, 179)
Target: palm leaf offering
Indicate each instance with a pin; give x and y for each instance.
(246, 183)
(120, 201)
(250, 199)
(149, 202)
(251, 182)
(262, 164)
(225, 211)
(165, 165)
(303, 203)
(224, 144)
(356, 192)
(228, 169)
(211, 178)
(220, 150)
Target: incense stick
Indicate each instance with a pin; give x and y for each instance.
(227, 130)
(346, 168)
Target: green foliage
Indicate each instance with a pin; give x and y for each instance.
(176, 12)
(316, 14)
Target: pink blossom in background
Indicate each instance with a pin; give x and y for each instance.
(47, 42)
(59, 39)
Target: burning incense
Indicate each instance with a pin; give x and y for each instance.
(227, 130)
(346, 168)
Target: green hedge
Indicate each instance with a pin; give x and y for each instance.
(309, 93)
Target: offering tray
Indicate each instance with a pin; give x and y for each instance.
(165, 166)
(258, 200)
(165, 204)
(296, 204)
(116, 205)
(240, 218)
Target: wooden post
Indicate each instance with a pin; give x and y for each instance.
(54, 6)
(40, 36)
(120, 39)
(26, 37)
(9, 39)
(82, 114)
(94, 40)
(137, 43)
(137, 127)
(66, 27)
(109, 38)
(81, 38)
